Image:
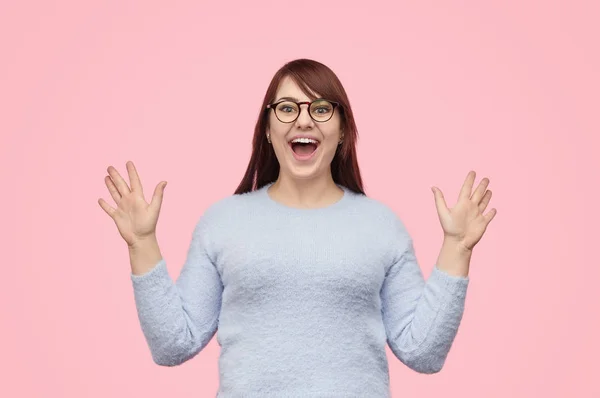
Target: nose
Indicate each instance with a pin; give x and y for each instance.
(304, 120)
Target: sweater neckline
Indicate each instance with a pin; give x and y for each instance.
(341, 202)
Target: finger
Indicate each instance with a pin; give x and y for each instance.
(489, 216)
(112, 189)
(465, 192)
(134, 178)
(478, 194)
(118, 181)
(107, 208)
(440, 202)
(157, 197)
(485, 200)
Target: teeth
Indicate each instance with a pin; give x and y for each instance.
(304, 141)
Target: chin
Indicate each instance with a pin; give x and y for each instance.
(303, 173)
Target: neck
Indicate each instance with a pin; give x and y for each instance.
(305, 193)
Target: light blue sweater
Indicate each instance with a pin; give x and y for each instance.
(304, 299)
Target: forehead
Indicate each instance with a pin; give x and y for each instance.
(289, 88)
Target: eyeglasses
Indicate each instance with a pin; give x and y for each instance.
(320, 110)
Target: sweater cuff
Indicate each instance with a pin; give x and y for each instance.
(455, 285)
(156, 277)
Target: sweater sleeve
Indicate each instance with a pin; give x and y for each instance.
(179, 318)
(421, 317)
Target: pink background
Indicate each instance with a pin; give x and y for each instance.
(438, 88)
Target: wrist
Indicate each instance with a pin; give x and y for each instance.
(144, 255)
(141, 244)
(456, 245)
(454, 257)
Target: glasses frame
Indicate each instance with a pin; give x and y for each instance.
(299, 103)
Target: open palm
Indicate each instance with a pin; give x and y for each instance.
(135, 218)
(466, 222)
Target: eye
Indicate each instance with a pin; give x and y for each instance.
(325, 109)
(287, 108)
(321, 108)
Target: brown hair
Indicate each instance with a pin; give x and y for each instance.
(309, 75)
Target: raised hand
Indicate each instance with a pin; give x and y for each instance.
(466, 222)
(135, 219)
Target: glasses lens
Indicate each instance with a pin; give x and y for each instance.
(321, 110)
(287, 111)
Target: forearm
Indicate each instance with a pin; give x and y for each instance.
(454, 258)
(144, 255)
(171, 337)
(179, 317)
(422, 334)
(422, 318)
(158, 303)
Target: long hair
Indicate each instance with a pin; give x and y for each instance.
(314, 76)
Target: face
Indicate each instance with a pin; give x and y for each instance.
(303, 160)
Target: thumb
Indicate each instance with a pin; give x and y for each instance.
(157, 197)
(440, 203)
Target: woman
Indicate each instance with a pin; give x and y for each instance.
(304, 276)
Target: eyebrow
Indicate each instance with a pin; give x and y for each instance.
(288, 99)
(294, 99)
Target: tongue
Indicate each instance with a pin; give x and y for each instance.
(304, 149)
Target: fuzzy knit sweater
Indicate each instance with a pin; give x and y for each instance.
(302, 301)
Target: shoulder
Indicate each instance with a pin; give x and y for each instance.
(382, 216)
(229, 208)
(378, 218)
(379, 212)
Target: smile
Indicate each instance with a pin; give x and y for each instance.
(303, 148)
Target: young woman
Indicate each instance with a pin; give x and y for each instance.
(302, 276)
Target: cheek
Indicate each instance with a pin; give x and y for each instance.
(330, 145)
(278, 138)
(332, 134)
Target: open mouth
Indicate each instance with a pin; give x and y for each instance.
(304, 147)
